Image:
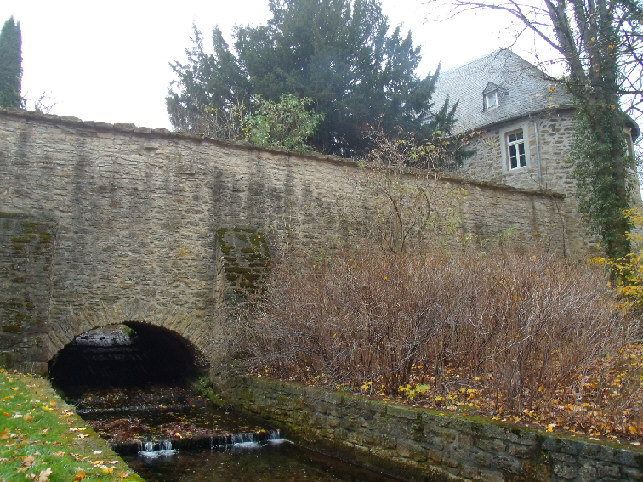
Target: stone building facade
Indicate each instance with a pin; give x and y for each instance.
(525, 125)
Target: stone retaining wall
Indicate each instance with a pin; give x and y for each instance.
(421, 445)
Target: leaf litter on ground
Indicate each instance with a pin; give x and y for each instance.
(39, 436)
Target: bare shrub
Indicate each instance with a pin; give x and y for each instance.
(524, 323)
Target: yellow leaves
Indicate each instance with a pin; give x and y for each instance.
(80, 475)
(550, 427)
(598, 260)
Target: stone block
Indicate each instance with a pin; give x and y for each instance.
(491, 445)
(565, 471)
(608, 470)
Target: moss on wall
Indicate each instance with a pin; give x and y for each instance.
(26, 247)
(246, 261)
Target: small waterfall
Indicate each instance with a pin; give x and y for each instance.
(255, 440)
(244, 440)
(160, 449)
(274, 438)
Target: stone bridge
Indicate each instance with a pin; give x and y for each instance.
(104, 224)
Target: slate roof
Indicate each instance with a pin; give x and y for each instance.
(522, 89)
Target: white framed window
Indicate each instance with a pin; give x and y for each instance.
(516, 150)
(491, 100)
(514, 147)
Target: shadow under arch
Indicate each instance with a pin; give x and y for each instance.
(127, 355)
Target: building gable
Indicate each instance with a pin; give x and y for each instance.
(496, 88)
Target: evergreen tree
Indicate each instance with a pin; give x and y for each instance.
(10, 64)
(339, 53)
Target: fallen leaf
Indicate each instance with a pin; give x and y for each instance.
(44, 475)
(28, 461)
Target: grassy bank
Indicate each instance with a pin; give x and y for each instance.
(41, 437)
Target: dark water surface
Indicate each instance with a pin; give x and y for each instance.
(161, 415)
(129, 384)
(270, 462)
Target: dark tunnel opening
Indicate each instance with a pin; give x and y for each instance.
(130, 355)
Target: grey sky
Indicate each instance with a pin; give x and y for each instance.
(108, 61)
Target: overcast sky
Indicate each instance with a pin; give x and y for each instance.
(108, 61)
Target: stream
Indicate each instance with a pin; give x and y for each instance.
(168, 433)
(129, 383)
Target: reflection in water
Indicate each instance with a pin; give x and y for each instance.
(268, 462)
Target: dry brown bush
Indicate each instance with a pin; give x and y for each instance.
(526, 324)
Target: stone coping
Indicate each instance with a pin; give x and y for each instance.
(132, 129)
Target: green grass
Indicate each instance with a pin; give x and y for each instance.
(42, 438)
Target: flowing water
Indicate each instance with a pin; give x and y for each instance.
(127, 383)
(270, 461)
(170, 434)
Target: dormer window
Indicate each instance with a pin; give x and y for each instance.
(490, 97)
(491, 100)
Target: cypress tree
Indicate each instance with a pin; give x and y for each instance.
(10, 64)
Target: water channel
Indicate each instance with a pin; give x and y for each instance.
(138, 401)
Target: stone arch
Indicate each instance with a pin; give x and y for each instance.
(198, 330)
(127, 355)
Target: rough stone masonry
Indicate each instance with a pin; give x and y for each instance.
(103, 224)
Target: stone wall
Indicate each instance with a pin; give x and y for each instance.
(26, 250)
(417, 444)
(548, 137)
(142, 220)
